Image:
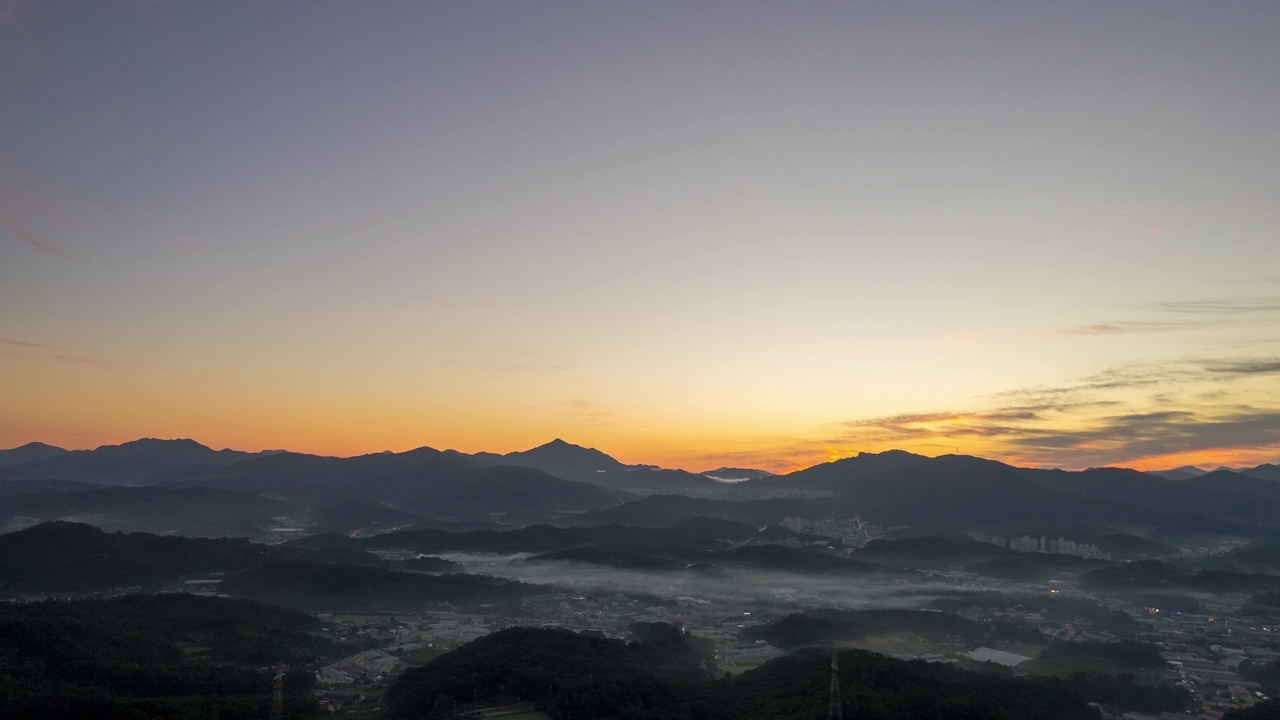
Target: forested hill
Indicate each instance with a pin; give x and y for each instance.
(154, 656)
(76, 558)
(73, 557)
(662, 673)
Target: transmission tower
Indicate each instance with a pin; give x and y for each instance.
(277, 693)
(835, 710)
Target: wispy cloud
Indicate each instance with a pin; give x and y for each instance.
(1246, 367)
(1118, 328)
(1132, 415)
(19, 214)
(56, 354)
(1228, 306)
(594, 413)
(80, 360)
(1191, 315)
(19, 343)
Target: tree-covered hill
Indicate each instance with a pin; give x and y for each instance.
(660, 675)
(876, 687)
(163, 656)
(323, 572)
(830, 627)
(73, 557)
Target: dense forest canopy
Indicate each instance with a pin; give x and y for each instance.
(154, 656)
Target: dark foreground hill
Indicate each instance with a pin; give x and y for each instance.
(64, 557)
(166, 656)
(663, 673)
(830, 627)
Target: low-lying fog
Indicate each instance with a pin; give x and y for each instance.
(720, 585)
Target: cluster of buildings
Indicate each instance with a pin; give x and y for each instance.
(368, 666)
(851, 532)
(1060, 546)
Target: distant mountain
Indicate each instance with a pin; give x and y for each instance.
(192, 512)
(389, 477)
(31, 452)
(131, 463)
(1185, 472)
(229, 493)
(425, 487)
(901, 488)
(558, 458)
(645, 480)
(426, 483)
(1264, 472)
(1220, 495)
(1238, 483)
(958, 491)
(728, 474)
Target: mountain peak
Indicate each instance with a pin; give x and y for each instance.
(31, 452)
(564, 460)
(36, 446)
(159, 444)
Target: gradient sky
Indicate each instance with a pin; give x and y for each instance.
(686, 233)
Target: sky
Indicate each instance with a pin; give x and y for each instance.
(686, 233)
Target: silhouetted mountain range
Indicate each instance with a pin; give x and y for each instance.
(1186, 472)
(559, 458)
(1264, 472)
(568, 484)
(728, 474)
(131, 463)
(31, 452)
